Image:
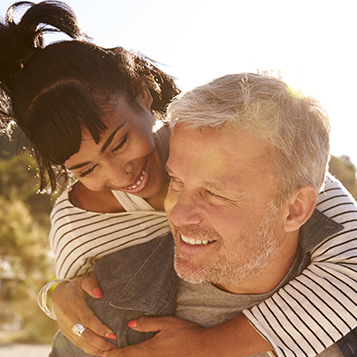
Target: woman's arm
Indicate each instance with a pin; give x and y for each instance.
(80, 237)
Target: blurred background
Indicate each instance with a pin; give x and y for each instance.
(311, 42)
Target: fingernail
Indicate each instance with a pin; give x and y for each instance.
(102, 355)
(132, 323)
(97, 293)
(111, 336)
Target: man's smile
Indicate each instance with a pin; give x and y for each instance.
(192, 241)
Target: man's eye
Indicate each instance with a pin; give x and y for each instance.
(212, 194)
(121, 144)
(175, 183)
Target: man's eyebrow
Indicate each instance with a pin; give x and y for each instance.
(111, 137)
(216, 186)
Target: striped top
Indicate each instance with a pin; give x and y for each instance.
(78, 237)
(302, 319)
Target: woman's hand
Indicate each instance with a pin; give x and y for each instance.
(180, 338)
(70, 305)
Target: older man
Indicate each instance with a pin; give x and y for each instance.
(247, 160)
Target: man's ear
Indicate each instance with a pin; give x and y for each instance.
(144, 97)
(300, 207)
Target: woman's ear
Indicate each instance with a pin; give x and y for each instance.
(300, 207)
(144, 97)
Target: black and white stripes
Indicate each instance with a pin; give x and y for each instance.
(78, 238)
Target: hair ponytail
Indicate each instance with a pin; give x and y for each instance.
(20, 41)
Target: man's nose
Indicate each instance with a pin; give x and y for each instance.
(183, 209)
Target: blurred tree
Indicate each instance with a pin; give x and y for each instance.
(24, 227)
(18, 182)
(345, 171)
(25, 240)
(9, 148)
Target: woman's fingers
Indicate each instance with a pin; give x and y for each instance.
(91, 343)
(90, 286)
(71, 308)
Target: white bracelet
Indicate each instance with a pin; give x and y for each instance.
(43, 300)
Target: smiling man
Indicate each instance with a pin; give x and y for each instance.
(247, 161)
(223, 207)
(235, 216)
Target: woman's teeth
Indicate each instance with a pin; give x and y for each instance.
(138, 183)
(192, 241)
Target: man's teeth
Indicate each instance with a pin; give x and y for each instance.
(138, 183)
(192, 241)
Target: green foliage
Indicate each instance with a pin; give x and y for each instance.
(10, 148)
(18, 181)
(345, 171)
(21, 235)
(24, 227)
(25, 240)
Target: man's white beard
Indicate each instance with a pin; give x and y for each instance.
(224, 267)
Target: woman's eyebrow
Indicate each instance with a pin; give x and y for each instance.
(104, 147)
(111, 137)
(78, 166)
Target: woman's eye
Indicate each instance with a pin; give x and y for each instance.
(121, 143)
(88, 172)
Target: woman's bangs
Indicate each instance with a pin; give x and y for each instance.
(59, 120)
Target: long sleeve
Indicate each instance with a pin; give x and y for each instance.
(78, 238)
(319, 306)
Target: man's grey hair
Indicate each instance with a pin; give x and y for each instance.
(264, 106)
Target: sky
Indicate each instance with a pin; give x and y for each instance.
(311, 42)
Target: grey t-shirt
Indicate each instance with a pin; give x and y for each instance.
(208, 306)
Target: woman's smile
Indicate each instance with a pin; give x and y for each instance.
(139, 183)
(129, 157)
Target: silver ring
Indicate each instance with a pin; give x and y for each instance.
(78, 330)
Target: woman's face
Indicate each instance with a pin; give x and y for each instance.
(129, 156)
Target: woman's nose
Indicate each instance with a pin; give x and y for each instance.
(128, 167)
(119, 175)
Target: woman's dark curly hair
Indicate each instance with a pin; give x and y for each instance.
(50, 92)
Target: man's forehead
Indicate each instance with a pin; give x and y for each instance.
(212, 143)
(217, 154)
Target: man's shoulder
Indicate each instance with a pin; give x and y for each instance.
(318, 228)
